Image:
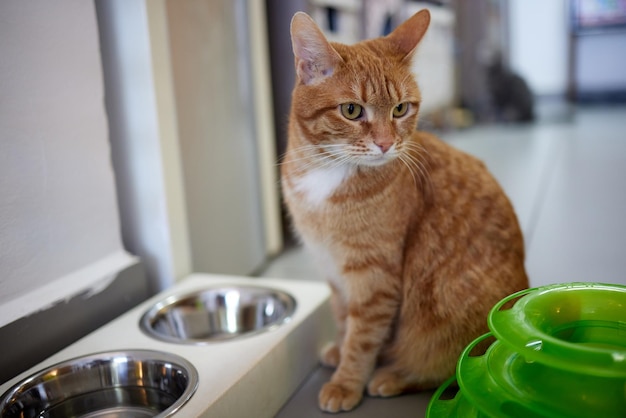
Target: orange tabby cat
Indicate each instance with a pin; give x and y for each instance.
(416, 238)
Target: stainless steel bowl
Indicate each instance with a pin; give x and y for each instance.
(135, 383)
(217, 314)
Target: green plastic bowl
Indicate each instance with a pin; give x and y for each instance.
(503, 383)
(559, 352)
(576, 327)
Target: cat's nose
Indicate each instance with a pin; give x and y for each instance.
(384, 145)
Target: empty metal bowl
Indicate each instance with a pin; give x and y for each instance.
(217, 314)
(137, 383)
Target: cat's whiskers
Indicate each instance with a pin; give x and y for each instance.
(415, 176)
(311, 161)
(337, 161)
(319, 161)
(413, 158)
(308, 152)
(330, 156)
(319, 157)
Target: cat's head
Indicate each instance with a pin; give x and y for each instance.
(356, 104)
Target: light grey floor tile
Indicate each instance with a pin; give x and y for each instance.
(581, 227)
(293, 263)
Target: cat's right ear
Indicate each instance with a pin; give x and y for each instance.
(408, 35)
(315, 57)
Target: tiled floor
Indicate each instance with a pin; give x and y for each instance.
(566, 182)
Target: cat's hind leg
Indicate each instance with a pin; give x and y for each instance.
(387, 381)
(406, 367)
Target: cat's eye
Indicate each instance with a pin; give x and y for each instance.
(400, 110)
(351, 111)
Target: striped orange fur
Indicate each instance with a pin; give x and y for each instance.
(416, 238)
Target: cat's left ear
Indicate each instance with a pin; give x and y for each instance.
(316, 59)
(408, 35)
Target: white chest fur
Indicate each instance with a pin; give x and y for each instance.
(319, 184)
(326, 264)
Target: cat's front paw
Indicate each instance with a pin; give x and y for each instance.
(335, 397)
(330, 355)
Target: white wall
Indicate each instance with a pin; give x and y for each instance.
(59, 226)
(601, 62)
(538, 41)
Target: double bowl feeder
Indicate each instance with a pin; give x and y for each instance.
(147, 383)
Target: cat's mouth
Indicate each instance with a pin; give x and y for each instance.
(359, 156)
(376, 160)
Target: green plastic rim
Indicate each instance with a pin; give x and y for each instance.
(577, 327)
(457, 407)
(481, 390)
(438, 407)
